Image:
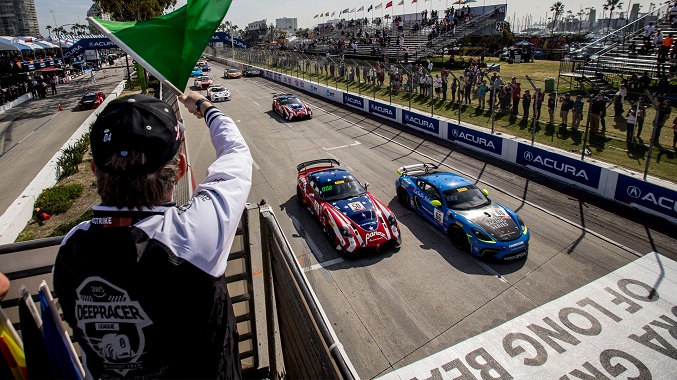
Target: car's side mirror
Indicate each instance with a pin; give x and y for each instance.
(436, 203)
(485, 192)
(366, 185)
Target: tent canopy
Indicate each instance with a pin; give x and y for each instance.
(13, 42)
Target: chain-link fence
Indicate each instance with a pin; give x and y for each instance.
(570, 116)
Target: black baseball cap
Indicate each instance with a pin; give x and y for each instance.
(136, 123)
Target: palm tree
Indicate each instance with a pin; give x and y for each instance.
(612, 5)
(558, 8)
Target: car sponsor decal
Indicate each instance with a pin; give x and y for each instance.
(356, 206)
(375, 235)
(656, 198)
(621, 325)
(339, 182)
(565, 167)
(461, 189)
(327, 188)
(425, 123)
(477, 139)
(316, 206)
(112, 324)
(500, 212)
(439, 216)
(352, 100)
(382, 110)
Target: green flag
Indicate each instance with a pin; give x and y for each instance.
(169, 45)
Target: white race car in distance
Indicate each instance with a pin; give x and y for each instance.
(218, 92)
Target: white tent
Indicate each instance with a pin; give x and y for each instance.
(13, 43)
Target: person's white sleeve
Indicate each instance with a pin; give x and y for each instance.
(203, 230)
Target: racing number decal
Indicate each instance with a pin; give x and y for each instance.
(356, 206)
(501, 213)
(316, 206)
(439, 216)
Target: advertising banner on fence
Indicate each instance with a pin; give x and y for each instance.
(424, 123)
(565, 167)
(332, 94)
(475, 139)
(299, 83)
(383, 110)
(315, 89)
(619, 326)
(353, 101)
(647, 195)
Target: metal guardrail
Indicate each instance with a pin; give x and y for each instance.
(310, 347)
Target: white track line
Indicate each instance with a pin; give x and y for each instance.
(342, 146)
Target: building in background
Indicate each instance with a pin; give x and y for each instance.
(256, 31)
(286, 24)
(95, 11)
(18, 18)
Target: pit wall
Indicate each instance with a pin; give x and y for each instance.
(654, 196)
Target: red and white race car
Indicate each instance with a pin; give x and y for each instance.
(291, 107)
(354, 220)
(91, 100)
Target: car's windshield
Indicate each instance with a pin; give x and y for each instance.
(290, 101)
(341, 189)
(465, 198)
(89, 97)
(218, 89)
(233, 71)
(205, 79)
(196, 68)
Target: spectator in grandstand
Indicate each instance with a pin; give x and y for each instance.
(468, 90)
(663, 116)
(618, 106)
(482, 93)
(438, 86)
(539, 97)
(597, 107)
(672, 14)
(630, 126)
(551, 108)
(516, 95)
(640, 113)
(445, 84)
(577, 112)
(454, 87)
(526, 103)
(4, 286)
(566, 104)
(648, 31)
(644, 81)
(140, 253)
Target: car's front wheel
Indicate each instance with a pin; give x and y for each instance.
(459, 239)
(331, 236)
(403, 197)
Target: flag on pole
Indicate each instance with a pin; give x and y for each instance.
(352, 10)
(63, 359)
(361, 9)
(11, 348)
(172, 43)
(345, 10)
(370, 8)
(37, 360)
(414, 1)
(316, 16)
(389, 4)
(379, 6)
(333, 13)
(401, 2)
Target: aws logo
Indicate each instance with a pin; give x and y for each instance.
(331, 94)
(472, 139)
(313, 88)
(555, 165)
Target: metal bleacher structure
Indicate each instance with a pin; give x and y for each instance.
(603, 63)
(297, 339)
(418, 41)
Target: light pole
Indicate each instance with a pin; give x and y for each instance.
(58, 30)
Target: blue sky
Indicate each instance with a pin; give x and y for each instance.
(243, 12)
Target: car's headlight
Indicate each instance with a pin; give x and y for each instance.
(522, 225)
(392, 220)
(345, 231)
(481, 235)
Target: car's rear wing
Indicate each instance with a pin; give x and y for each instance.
(416, 169)
(325, 161)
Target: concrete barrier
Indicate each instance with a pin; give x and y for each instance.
(654, 196)
(19, 213)
(16, 102)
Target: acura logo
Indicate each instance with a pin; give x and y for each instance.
(528, 156)
(634, 191)
(454, 132)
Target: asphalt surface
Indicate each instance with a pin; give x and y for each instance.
(33, 131)
(392, 309)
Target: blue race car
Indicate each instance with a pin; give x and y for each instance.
(197, 71)
(453, 204)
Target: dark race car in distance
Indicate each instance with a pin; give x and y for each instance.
(251, 71)
(353, 219)
(454, 205)
(291, 107)
(91, 100)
